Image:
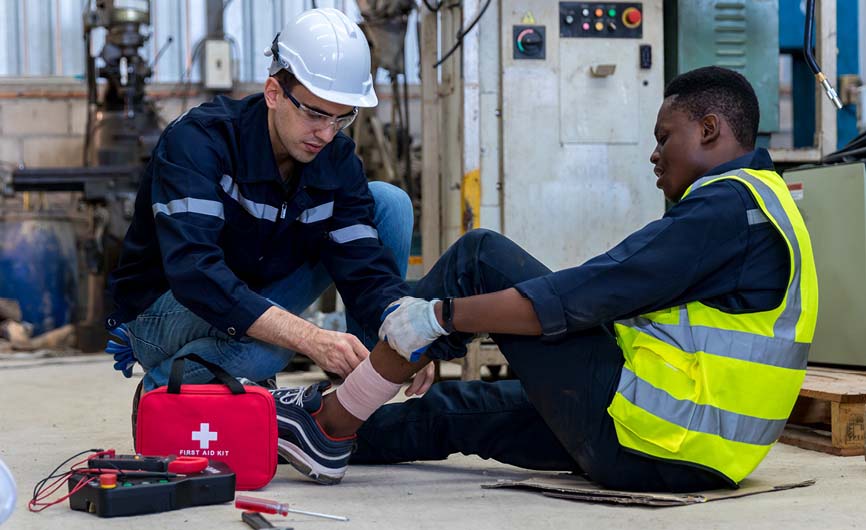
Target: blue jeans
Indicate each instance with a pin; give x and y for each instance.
(553, 417)
(167, 329)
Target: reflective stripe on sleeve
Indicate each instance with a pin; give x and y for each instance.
(756, 217)
(351, 233)
(317, 213)
(189, 205)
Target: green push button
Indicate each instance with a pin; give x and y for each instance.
(611, 12)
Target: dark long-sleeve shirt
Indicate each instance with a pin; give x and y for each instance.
(215, 223)
(702, 249)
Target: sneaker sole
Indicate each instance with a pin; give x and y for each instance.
(305, 465)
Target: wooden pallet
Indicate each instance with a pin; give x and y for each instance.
(481, 352)
(828, 415)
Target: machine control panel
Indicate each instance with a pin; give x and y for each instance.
(529, 42)
(601, 20)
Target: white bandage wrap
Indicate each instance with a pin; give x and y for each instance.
(365, 390)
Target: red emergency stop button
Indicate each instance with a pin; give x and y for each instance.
(631, 17)
(108, 481)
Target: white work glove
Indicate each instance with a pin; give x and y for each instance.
(410, 326)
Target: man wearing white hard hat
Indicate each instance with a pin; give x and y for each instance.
(249, 209)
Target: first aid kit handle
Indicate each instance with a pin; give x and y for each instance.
(176, 377)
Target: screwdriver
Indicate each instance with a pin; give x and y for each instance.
(255, 504)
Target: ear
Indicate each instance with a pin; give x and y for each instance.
(711, 127)
(272, 91)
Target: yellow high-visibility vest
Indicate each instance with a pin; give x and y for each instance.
(714, 388)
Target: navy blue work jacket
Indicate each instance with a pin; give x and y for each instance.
(214, 223)
(703, 248)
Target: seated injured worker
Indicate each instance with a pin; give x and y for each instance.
(669, 363)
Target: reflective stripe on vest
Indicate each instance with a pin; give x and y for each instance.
(713, 388)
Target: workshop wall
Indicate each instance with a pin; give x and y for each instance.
(44, 127)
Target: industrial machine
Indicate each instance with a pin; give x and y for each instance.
(386, 148)
(122, 125)
(548, 111)
(845, 55)
(552, 146)
(122, 129)
(832, 199)
(579, 135)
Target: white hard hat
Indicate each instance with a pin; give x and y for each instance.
(328, 54)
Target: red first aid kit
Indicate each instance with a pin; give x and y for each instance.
(227, 422)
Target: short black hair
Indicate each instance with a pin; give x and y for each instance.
(714, 89)
(287, 79)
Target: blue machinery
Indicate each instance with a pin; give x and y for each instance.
(39, 268)
(744, 36)
(791, 36)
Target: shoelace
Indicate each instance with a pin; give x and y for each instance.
(292, 396)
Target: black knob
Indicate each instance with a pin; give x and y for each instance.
(531, 43)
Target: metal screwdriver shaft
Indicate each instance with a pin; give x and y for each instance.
(322, 515)
(245, 502)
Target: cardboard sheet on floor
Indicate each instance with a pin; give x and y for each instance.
(576, 488)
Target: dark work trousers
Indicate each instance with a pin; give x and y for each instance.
(554, 417)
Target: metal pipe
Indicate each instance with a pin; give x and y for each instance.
(25, 37)
(808, 36)
(810, 58)
(70, 178)
(214, 10)
(58, 40)
(15, 30)
(180, 49)
(188, 31)
(407, 134)
(248, 21)
(861, 110)
(90, 67)
(154, 37)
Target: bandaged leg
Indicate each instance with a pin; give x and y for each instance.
(365, 390)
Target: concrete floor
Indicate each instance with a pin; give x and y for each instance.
(53, 408)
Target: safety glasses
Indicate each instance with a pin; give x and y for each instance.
(320, 120)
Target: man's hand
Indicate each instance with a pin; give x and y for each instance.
(334, 352)
(410, 326)
(422, 381)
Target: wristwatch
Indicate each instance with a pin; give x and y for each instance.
(448, 314)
